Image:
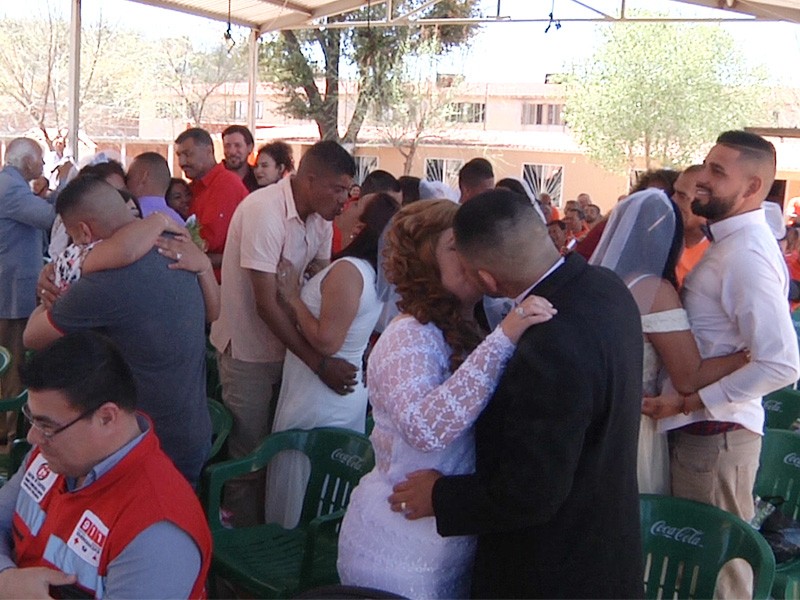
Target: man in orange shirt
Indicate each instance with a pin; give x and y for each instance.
(216, 191)
(695, 242)
(576, 224)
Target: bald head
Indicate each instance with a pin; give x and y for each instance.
(94, 206)
(499, 234)
(149, 175)
(25, 155)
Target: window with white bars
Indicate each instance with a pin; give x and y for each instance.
(545, 179)
(443, 169)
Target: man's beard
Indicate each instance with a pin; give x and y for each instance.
(715, 209)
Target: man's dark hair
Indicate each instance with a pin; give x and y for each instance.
(483, 221)
(474, 172)
(328, 157)
(558, 223)
(409, 186)
(281, 153)
(103, 169)
(691, 169)
(581, 215)
(73, 194)
(663, 179)
(749, 144)
(199, 136)
(248, 137)
(157, 166)
(85, 366)
(379, 181)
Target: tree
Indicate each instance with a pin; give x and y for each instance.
(34, 72)
(416, 105)
(194, 75)
(660, 91)
(307, 64)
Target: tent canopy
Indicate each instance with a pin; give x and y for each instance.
(272, 15)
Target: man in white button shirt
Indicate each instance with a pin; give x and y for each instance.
(736, 300)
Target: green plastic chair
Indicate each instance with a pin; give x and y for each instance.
(269, 561)
(686, 543)
(9, 463)
(221, 424)
(779, 475)
(781, 408)
(213, 384)
(5, 360)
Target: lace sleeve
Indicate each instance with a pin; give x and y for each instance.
(429, 407)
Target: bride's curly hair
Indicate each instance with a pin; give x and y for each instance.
(411, 265)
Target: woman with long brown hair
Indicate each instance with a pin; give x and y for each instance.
(430, 375)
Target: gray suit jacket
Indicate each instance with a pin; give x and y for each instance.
(23, 217)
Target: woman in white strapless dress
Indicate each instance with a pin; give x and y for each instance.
(336, 311)
(429, 376)
(642, 243)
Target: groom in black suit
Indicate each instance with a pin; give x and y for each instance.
(554, 498)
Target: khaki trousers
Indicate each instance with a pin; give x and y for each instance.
(250, 392)
(719, 470)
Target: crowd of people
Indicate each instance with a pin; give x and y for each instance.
(530, 368)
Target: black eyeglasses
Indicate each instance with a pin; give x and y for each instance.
(48, 430)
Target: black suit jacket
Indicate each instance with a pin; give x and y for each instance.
(554, 497)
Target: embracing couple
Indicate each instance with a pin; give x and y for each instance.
(526, 439)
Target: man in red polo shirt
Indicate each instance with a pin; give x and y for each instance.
(216, 191)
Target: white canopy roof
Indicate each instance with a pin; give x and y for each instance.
(271, 15)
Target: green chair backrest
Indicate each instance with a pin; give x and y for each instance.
(9, 463)
(781, 408)
(779, 469)
(686, 543)
(339, 458)
(5, 360)
(221, 424)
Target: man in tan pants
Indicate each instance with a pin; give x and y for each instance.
(736, 298)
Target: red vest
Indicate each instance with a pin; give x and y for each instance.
(82, 532)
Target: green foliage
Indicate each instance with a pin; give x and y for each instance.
(661, 91)
(307, 64)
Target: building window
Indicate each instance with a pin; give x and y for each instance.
(364, 166)
(545, 178)
(443, 169)
(239, 109)
(542, 114)
(466, 112)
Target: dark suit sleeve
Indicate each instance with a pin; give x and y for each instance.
(538, 419)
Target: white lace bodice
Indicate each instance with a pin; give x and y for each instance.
(417, 405)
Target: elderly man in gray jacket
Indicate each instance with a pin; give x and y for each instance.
(24, 217)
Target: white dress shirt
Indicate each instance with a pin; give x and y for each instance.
(736, 298)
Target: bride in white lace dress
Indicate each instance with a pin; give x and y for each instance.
(429, 379)
(642, 243)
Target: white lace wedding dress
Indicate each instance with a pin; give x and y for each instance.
(422, 421)
(653, 457)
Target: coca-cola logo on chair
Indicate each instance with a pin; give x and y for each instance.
(792, 459)
(348, 460)
(684, 535)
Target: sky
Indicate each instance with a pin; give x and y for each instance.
(502, 52)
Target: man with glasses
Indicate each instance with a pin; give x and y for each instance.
(98, 508)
